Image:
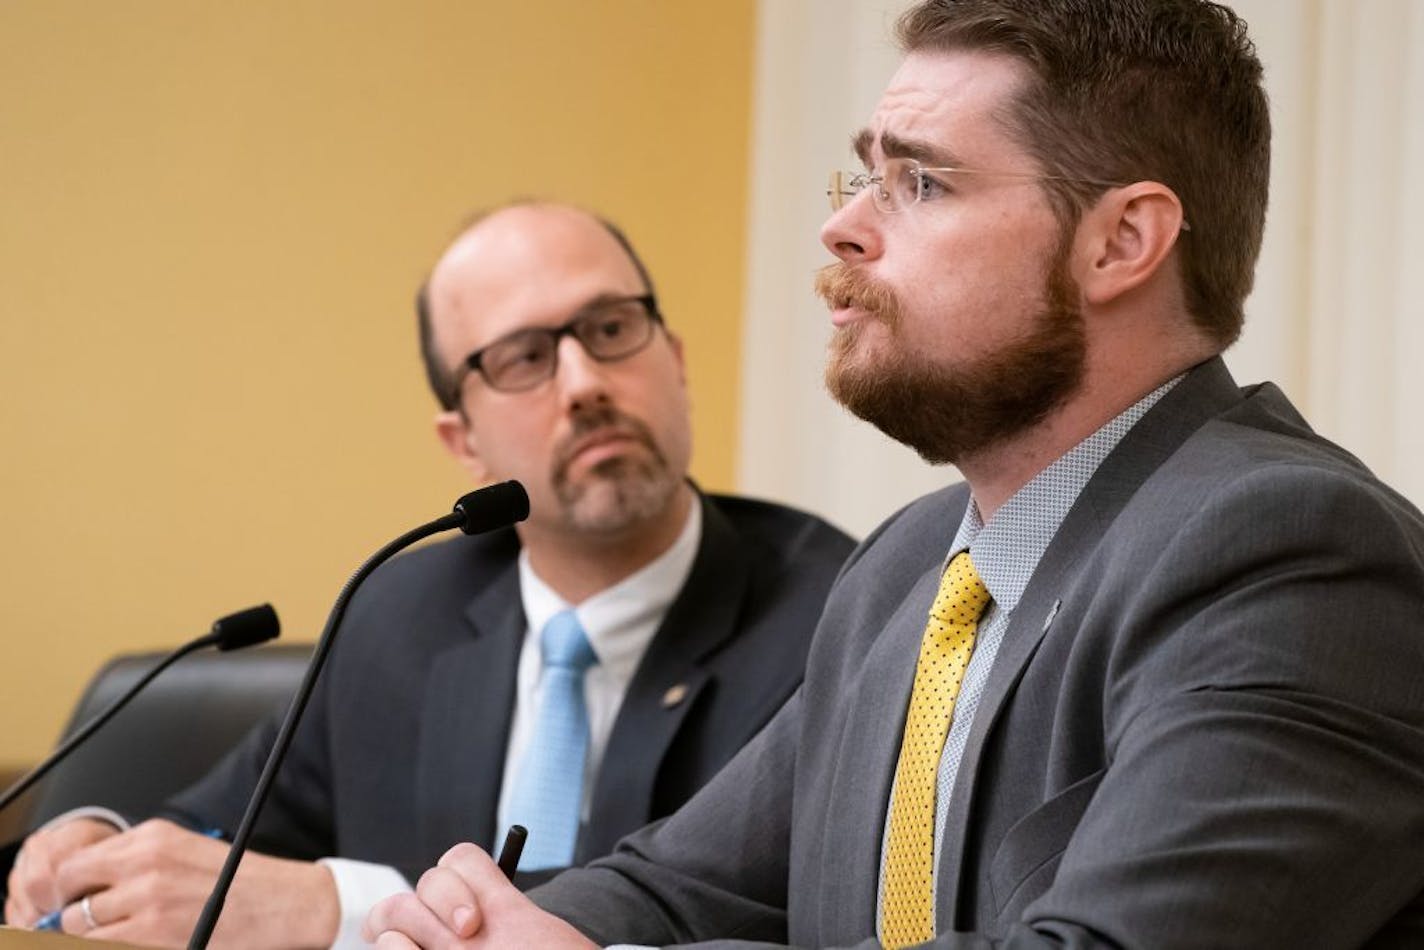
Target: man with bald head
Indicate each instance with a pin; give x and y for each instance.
(582, 674)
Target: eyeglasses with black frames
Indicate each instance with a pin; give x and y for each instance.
(905, 182)
(609, 330)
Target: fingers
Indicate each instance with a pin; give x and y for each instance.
(446, 903)
(450, 898)
(390, 940)
(89, 913)
(445, 907)
(92, 869)
(483, 881)
(476, 867)
(19, 914)
(112, 907)
(146, 869)
(160, 847)
(69, 837)
(404, 916)
(145, 886)
(30, 889)
(466, 901)
(33, 887)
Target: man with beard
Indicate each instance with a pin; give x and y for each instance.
(1168, 691)
(581, 674)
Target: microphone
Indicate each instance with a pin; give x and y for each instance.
(233, 632)
(488, 509)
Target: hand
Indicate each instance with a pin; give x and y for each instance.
(32, 887)
(466, 901)
(148, 886)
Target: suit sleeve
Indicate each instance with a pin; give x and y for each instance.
(296, 820)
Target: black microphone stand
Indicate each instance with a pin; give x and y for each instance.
(247, 627)
(494, 507)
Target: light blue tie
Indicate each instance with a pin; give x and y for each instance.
(548, 792)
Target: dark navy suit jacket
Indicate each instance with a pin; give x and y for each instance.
(425, 668)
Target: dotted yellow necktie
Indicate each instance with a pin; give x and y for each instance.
(907, 898)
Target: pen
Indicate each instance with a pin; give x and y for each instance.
(49, 921)
(513, 848)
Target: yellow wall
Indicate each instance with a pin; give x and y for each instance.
(212, 221)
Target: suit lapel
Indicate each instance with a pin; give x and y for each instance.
(865, 765)
(699, 621)
(469, 703)
(1205, 392)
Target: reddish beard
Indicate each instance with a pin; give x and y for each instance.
(943, 412)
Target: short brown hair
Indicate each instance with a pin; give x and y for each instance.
(441, 380)
(1136, 90)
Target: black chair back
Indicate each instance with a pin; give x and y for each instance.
(172, 732)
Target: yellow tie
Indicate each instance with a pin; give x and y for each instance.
(907, 900)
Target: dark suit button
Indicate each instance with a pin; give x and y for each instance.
(674, 695)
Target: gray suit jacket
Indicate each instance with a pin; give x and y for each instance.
(426, 664)
(1205, 726)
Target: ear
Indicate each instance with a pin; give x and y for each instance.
(458, 437)
(1125, 238)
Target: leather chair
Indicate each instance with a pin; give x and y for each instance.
(171, 733)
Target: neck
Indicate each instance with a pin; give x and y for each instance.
(577, 566)
(1114, 378)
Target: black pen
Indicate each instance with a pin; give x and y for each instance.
(513, 848)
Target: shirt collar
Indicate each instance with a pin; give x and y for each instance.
(1006, 551)
(628, 605)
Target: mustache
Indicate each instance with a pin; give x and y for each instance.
(599, 420)
(842, 286)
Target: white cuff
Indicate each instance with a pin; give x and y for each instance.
(97, 812)
(360, 886)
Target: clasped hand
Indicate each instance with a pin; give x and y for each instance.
(465, 901)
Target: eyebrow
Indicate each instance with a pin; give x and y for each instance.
(583, 309)
(895, 146)
(860, 144)
(599, 299)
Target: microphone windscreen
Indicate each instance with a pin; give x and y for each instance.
(493, 507)
(247, 628)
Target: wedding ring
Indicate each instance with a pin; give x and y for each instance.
(88, 913)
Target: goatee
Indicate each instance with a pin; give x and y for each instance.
(617, 493)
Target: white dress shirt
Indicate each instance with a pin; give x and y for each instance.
(620, 623)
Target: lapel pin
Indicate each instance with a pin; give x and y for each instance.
(674, 695)
(1052, 612)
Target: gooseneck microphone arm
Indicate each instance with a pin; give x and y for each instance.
(497, 506)
(244, 628)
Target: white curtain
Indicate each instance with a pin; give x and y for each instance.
(1333, 320)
